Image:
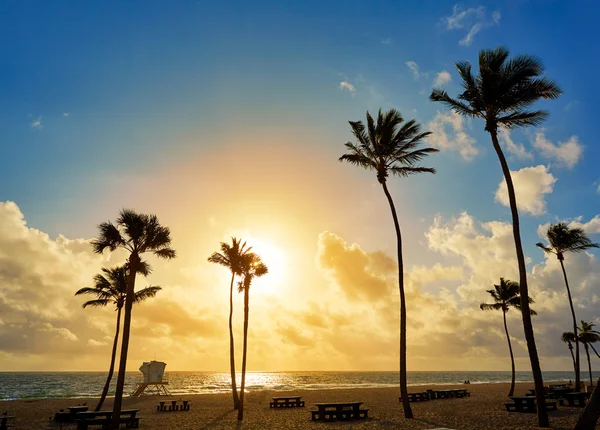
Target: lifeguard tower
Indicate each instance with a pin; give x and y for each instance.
(154, 380)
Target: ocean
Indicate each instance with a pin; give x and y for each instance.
(43, 385)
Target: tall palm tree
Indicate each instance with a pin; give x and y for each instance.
(506, 295)
(253, 268)
(390, 147)
(137, 234)
(233, 257)
(569, 338)
(500, 94)
(587, 335)
(111, 288)
(563, 239)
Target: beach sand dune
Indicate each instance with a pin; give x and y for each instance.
(483, 410)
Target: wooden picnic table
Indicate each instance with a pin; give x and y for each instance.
(4, 421)
(445, 394)
(576, 399)
(339, 411)
(527, 404)
(287, 402)
(174, 406)
(417, 397)
(85, 419)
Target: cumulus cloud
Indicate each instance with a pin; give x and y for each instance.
(37, 123)
(461, 141)
(531, 185)
(516, 149)
(566, 153)
(344, 85)
(442, 78)
(414, 68)
(473, 20)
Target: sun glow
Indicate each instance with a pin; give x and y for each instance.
(274, 258)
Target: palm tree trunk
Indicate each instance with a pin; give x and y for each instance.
(512, 359)
(587, 352)
(577, 363)
(134, 261)
(591, 413)
(111, 369)
(403, 383)
(572, 356)
(525, 311)
(236, 400)
(246, 314)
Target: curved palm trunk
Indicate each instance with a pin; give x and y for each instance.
(512, 359)
(587, 352)
(525, 311)
(577, 363)
(572, 356)
(111, 369)
(243, 386)
(236, 400)
(134, 261)
(403, 389)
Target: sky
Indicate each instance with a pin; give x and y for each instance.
(227, 119)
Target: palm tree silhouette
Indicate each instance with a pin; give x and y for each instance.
(253, 267)
(137, 234)
(500, 94)
(569, 338)
(233, 257)
(388, 147)
(111, 288)
(564, 239)
(506, 296)
(588, 336)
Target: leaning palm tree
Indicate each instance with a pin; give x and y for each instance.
(563, 239)
(233, 257)
(253, 268)
(506, 295)
(137, 234)
(500, 94)
(111, 288)
(569, 338)
(587, 336)
(390, 147)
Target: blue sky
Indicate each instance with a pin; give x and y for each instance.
(228, 118)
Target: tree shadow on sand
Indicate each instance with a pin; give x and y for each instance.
(218, 420)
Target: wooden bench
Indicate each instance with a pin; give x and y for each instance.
(4, 425)
(287, 402)
(576, 399)
(450, 394)
(339, 411)
(128, 417)
(417, 397)
(527, 404)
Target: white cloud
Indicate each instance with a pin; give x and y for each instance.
(344, 85)
(566, 154)
(414, 67)
(598, 189)
(442, 78)
(474, 19)
(386, 41)
(37, 123)
(66, 114)
(531, 185)
(462, 142)
(518, 150)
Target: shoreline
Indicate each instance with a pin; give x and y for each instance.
(483, 410)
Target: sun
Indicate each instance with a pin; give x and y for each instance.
(274, 258)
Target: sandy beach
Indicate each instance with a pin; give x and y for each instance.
(483, 410)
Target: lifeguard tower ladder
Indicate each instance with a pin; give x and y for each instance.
(154, 382)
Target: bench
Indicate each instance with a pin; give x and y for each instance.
(287, 402)
(417, 397)
(185, 406)
(130, 423)
(339, 411)
(577, 399)
(4, 425)
(527, 404)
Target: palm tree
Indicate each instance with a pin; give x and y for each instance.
(569, 338)
(389, 147)
(111, 288)
(500, 94)
(506, 296)
(137, 234)
(253, 268)
(588, 336)
(564, 239)
(233, 257)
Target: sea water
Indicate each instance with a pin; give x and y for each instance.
(41, 385)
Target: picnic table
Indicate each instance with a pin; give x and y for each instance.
(185, 406)
(4, 425)
(417, 397)
(576, 399)
(446, 394)
(287, 402)
(339, 411)
(85, 419)
(527, 404)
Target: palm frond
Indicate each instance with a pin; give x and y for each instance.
(491, 306)
(438, 95)
(522, 119)
(145, 293)
(109, 238)
(97, 303)
(404, 172)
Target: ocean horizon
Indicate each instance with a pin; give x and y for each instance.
(51, 385)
